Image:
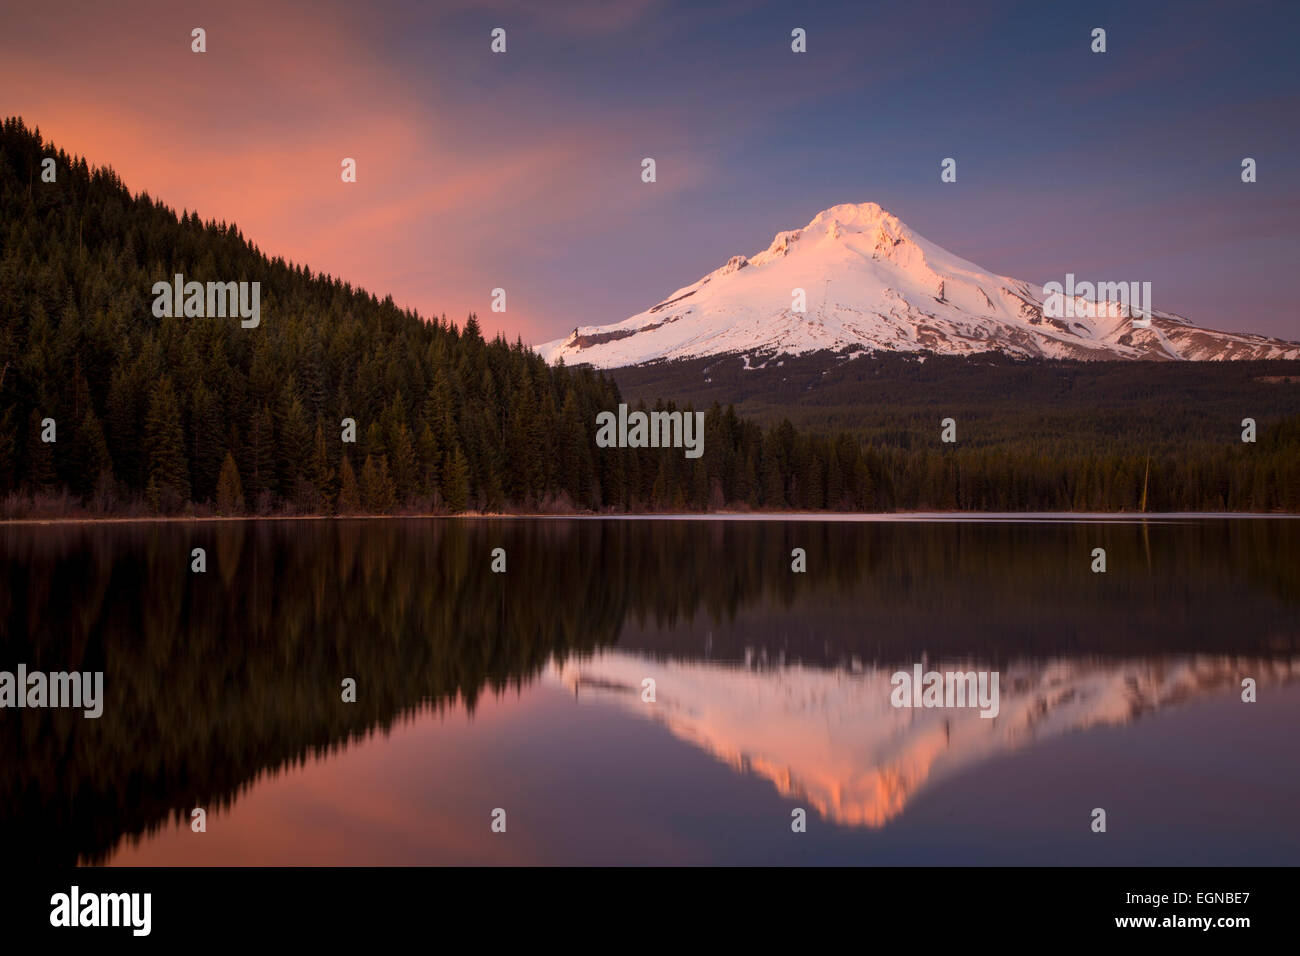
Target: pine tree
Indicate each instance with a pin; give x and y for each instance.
(322, 475)
(372, 445)
(206, 442)
(429, 456)
(169, 479)
(378, 493)
(127, 403)
(575, 455)
(40, 456)
(349, 493)
(230, 491)
(91, 458)
(834, 481)
(8, 449)
(773, 477)
(261, 464)
(293, 442)
(405, 464)
(456, 480)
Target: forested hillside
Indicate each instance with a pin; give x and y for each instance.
(180, 415)
(164, 412)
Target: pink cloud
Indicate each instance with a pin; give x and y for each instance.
(453, 199)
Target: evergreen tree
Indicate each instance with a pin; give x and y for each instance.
(40, 455)
(322, 474)
(293, 445)
(169, 479)
(90, 454)
(429, 455)
(261, 453)
(230, 491)
(456, 480)
(378, 493)
(406, 466)
(8, 449)
(349, 492)
(207, 445)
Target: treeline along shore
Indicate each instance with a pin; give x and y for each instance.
(337, 402)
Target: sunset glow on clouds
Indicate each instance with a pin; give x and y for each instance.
(255, 130)
(521, 171)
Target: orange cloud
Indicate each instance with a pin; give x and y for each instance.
(459, 190)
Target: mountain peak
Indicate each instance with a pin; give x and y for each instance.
(881, 230)
(855, 213)
(867, 218)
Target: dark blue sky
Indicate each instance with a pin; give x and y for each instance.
(1125, 163)
(521, 171)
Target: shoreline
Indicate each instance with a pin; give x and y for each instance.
(973, 517)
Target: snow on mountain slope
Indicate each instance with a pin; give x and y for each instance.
(871, 282)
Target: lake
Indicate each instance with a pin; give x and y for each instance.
(524, 691)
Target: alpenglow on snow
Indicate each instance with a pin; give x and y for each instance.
(869, 282)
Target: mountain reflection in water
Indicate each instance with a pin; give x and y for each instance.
(217, 682)
(831, 740)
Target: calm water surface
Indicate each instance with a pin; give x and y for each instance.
(523, 691)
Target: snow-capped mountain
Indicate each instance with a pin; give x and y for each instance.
(868, 281)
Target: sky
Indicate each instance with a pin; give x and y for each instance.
(522, 170)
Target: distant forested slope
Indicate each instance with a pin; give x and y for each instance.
(888, 396)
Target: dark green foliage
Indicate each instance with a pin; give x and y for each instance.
(157, 405)
(1032, 435)
(230, 492)
(349, 493)
(149, 410)
(169, 484)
